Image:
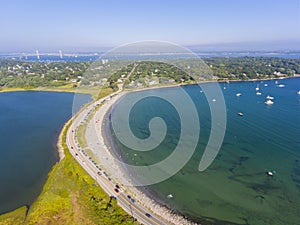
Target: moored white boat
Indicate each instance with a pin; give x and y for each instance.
(271, 173)
(169, 196)
(269, 102)
(240, 114)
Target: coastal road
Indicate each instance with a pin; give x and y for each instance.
(132, 207)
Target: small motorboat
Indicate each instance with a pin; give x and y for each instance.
(238, 94)
(258, 93)
(270, 97)
(271, 173)
(240, 114)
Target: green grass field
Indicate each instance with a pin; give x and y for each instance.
(93, 91)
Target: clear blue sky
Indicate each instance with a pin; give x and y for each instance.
(79, 24)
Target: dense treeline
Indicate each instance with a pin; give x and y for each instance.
(15, 73)
(253, 67)
(151, 73)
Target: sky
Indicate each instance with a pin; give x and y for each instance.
(91, 24)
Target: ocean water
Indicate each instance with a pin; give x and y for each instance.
(235, 189)
(30, 124)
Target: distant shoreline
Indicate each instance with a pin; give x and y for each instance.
(91, 91)
(49, 89)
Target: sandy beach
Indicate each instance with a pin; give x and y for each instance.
(101, 144)
(107, 154)
(60, 149)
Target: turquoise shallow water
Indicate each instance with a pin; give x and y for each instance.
(235, 189)
(30, 123)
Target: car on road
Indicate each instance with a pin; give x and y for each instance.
(148, 215)
(117, 190)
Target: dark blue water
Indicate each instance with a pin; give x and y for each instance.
(235, 189)
(30, 124)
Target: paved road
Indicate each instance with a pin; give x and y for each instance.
(132, 207)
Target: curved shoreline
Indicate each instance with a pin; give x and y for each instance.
(59, 137)
(141, 194)
(147, 199)
(60, 149)
(86, 91)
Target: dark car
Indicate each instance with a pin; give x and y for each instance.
(117, 190)
(148, 215)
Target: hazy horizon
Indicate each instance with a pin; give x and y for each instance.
(92, 25)
(222, 47)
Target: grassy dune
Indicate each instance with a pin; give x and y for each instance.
(15, 217)
(70, 196)
(93, 91)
